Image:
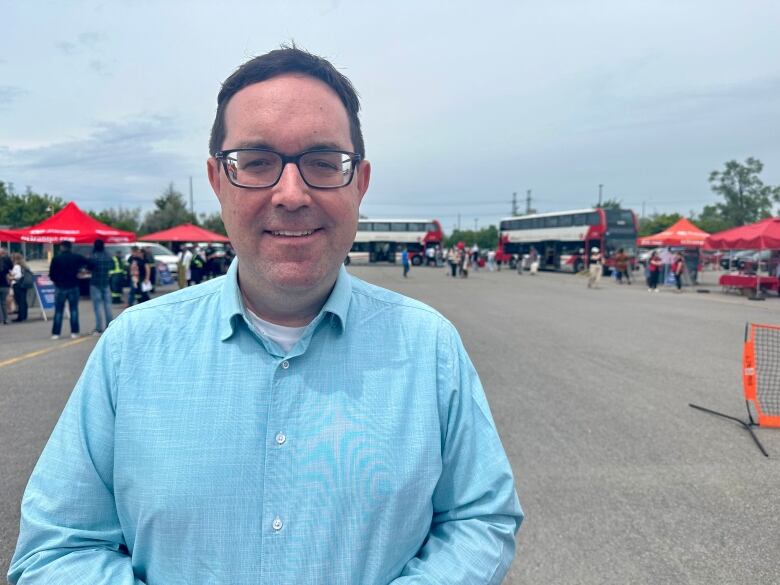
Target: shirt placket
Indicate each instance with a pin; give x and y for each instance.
(279, 493)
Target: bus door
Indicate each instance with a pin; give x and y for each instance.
(382, 252)
(550, 256)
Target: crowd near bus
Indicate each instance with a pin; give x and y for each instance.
(381, 240)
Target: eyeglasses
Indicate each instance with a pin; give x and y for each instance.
(260, 168)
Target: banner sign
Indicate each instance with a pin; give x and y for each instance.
(44, 289)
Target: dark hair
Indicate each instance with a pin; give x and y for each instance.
(278, 62)
(65, 245)
(99, 245)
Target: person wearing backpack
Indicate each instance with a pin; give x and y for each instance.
(22, 281)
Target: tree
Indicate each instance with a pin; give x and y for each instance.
(171, 211)
(486, 238)
(609, 204)
(26, 209)
(657, 222)
(213, 222)
(120, 218)
(746, 198)
(711, 220)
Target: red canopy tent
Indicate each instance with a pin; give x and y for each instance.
(682, 233)
(72, 224)
(762, 235)
(185, 233)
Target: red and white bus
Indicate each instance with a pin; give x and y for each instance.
(378, 240)
(563, 239)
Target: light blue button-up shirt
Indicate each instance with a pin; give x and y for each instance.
(193, 450)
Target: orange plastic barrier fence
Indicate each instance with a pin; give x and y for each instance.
(761, 372)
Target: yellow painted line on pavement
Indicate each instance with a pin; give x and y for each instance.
(33, 354)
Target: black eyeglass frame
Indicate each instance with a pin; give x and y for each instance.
(295, 159)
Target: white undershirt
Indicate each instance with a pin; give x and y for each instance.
(286, 337)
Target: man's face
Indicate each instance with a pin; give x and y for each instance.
(289, 114)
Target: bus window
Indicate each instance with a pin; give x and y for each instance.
(565, 220)
(364, 226)
(398, 227)
(593, 218)
(550, 222)
(381, 227)
(579, 219)
(430, 227)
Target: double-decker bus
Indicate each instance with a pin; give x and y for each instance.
(378, 240)
(563, 239)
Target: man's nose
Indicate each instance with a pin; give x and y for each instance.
(291, 192)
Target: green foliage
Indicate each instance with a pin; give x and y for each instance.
(657, 222)
(746, 198)
(711, 220)
(609, 204)
(26, 209)
(171, 211)
(213, 222)
(120, 218)
(486, 238)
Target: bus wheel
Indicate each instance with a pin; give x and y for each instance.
(416, 260)
(512, 264)
(577, 266)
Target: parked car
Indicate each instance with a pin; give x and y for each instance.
(163, 257)
(733, 258)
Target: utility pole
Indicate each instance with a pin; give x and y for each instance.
(514, 204)
(600, 188)
(459, 222)
(528, 202)
(192, 204)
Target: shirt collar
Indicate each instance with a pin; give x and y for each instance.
(232, 306)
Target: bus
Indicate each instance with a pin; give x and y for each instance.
(563, 239)
(378, 240)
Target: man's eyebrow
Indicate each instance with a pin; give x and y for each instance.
(313, 146)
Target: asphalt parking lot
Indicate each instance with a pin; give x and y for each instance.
(621, 481)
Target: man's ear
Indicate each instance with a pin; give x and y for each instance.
(213, 169)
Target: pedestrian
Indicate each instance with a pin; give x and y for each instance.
(405, 261)
(22, 280)
(6, 265)
(430, 256)
(197, 266)
(100, 265)
(491, 260)
(594, 267)
(474, 257)
(654, 267)
(533, 259)
(139, 275)
(452, 260)
(465, 261)
(116, 277)
(277, 425)
(63, 272)
(184, 269)
(678, 267)
(621, 266)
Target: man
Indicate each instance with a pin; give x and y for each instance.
(63, 272)
(117, 277)
(405, 261)
(321, 430)
(100, 266)
(185, 259)
(5, 268)
(139, 274)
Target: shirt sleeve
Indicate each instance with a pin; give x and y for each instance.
(70, 531)
(476, 512)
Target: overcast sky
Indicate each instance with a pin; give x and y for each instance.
(464, 103)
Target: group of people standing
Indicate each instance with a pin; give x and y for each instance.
(460, 259)
(656, 269)
(16, 280)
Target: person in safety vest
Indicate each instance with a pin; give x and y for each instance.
(116, 278)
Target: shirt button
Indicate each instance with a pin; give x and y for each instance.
(277, 524)
(285, 364)
(280, 438)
